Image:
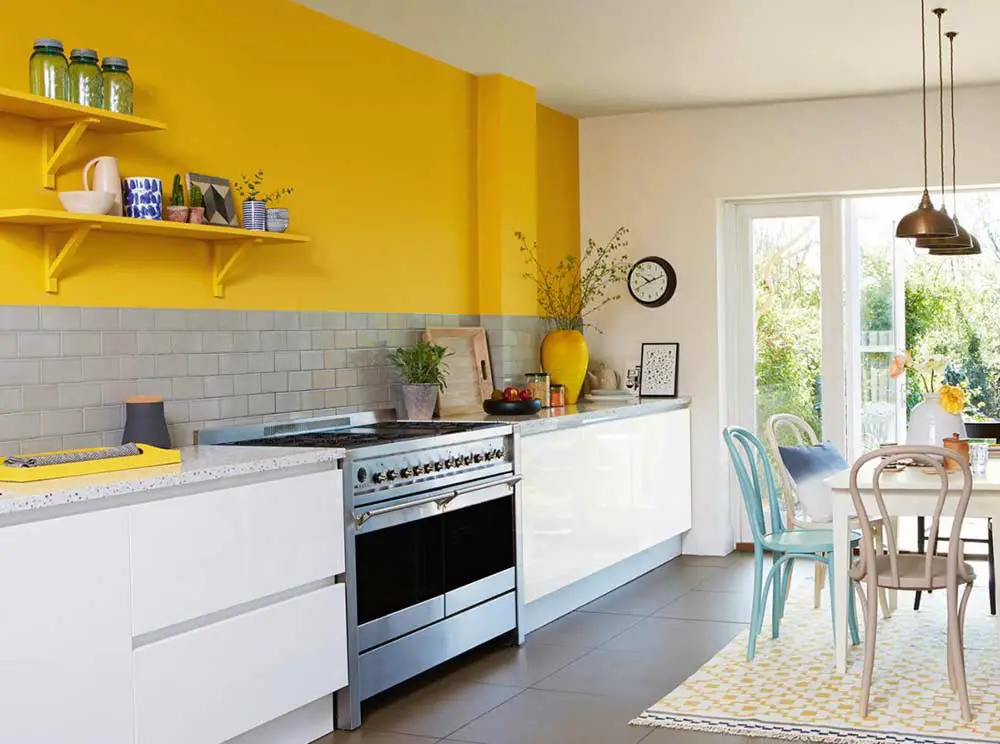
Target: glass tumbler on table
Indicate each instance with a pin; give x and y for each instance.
(979, 457)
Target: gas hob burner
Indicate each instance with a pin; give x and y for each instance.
(365, 435)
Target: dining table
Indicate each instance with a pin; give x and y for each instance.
(909, 492)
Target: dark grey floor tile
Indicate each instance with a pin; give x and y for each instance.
(549, 717)
(671, 638)
(585, 629)
(367, 736)
(438, 709)
(634, 677)
(519, 667)
(637, 598)
(729, 607)
(673, 736)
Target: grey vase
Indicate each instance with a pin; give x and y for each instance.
(420, 401)
(145, 422)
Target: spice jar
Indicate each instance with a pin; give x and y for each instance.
(117, 85)
(557, 396)
(48, 71)
(86, 84)
(538, 384)
(959, 446)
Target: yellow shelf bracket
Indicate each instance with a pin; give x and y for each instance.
(54, 156)
(223, 262)
(59, 249)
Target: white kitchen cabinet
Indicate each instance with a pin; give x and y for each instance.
(598, 493)
(198, 554)
(65, 631)
(216, 682)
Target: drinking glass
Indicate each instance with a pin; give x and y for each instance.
(979, 457)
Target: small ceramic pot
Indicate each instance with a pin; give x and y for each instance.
(420, 401)
(143, 198)
(253, 215)
(177, 214)
(145, 422)
(277, 219)
(196, 215)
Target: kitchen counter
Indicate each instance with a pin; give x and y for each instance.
(584, 412)
(198, 465)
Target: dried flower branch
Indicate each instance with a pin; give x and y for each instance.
(575, 288)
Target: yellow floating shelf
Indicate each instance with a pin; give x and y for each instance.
(73, 117)
(151, 457)
(65, 232)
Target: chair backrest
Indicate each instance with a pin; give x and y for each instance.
(929, 457)
(753, 470)
(799, 434)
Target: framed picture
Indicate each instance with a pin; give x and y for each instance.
(658, 376)
(217, 195)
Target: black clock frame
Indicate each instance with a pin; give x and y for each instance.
(668, 292)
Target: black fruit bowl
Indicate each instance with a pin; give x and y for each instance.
(512, 407)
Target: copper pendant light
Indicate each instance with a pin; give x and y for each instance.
(963, 244)
(925, 221)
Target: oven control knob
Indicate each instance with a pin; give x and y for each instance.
(498, 454)
(448, 463)
(362, 475)
(406, 473)
(379, 478)
(391, 475)
(468, 459)
(418, 469)
(478, 457)
(438, 465)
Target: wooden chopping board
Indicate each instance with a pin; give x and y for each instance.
(470, 376)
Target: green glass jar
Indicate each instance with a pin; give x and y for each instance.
(117, 85)
(48, 70)
(86, 84)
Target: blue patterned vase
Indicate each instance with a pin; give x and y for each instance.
(253, 215)
(142, 198)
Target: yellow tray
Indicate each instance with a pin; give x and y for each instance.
(151, 456)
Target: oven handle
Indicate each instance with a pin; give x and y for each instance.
(441, 500)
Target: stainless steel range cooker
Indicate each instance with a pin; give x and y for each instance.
(430, 515)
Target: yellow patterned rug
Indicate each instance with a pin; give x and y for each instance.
(791, 691)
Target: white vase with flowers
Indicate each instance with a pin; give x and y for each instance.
(939, 415)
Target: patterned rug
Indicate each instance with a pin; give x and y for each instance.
(791, 691)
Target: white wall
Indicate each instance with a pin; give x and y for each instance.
(663, 175)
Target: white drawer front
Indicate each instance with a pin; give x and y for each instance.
(219, 681)
(198, 554)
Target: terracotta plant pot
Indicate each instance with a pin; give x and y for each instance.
(177, 214)
(565, 357)
(420, 401)
(196, 216)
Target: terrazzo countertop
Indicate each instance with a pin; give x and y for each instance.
(198, 465)
(584, 412)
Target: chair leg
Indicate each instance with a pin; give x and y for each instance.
(819, 575)
(758, 601)
(956, 652)
(883, 594)
(921, 541)
(786, 586)
(871, 626)
(992, 569)
(777, 594)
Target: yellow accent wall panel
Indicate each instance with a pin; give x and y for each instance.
(378, 141)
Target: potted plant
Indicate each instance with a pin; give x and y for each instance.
(196, 215)
(276, 218)
(567, 293)
(248, 187)
(176, 210)
(423, 370)
(939, 414)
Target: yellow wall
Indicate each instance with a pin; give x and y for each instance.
(378, 141)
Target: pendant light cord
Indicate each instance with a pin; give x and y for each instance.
(923, 73)
(940, 12)
(954, 148)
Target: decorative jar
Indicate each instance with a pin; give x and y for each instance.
(48, 70)
(254, 214)
(565, 357)
(118, 87)
(86, 82)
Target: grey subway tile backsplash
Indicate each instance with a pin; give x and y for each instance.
(65, 371)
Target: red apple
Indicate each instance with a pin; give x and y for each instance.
(511, 393)
(526, 395)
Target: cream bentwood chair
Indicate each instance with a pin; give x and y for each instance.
(915, 571)
(800, 434)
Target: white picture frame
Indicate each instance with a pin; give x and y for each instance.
(659, 367)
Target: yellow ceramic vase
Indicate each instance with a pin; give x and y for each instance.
(565, 358)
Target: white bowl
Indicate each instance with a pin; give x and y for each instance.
(87, 202)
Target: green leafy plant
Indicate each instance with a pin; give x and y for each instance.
(576, 287)
(275, 196)
(197, 200)
(177, 195)
(248, 187)
(422, 364)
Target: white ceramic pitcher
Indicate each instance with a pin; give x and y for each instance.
(106, 178)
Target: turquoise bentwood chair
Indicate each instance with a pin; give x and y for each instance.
(753, 470)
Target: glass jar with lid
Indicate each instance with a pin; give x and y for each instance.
(538, 384)
(117, 85)
(86, 84)
(48, 70)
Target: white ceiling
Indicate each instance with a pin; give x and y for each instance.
(594, 57)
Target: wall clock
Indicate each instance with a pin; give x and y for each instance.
(652, 281)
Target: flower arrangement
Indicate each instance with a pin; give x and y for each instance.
(576, 287)
(929, 370)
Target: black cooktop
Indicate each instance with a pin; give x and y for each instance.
(364, 436)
